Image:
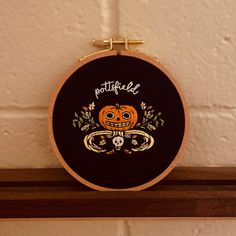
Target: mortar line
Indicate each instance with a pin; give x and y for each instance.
(110, 16)
(218, 109)
(45, 108)
(8, 112)
(117, 12)
(123, 228)
(127, 228)
(212, 106)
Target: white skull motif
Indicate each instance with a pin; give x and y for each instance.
(118, 141)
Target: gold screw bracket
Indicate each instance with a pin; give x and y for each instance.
(110, 43)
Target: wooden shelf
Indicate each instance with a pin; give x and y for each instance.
(186, 192)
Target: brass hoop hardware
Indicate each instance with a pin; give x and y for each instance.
(110, 43)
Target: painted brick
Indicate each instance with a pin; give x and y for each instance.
(60, 227)
(24, 141)
(194, 40)
(180, 227)
(40, 42)
(212, 138)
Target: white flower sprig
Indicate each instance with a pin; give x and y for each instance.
(85, 121)
(150, 121)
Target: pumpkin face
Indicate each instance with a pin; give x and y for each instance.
(118, 117)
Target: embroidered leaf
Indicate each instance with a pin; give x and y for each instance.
(74, 122)
(137, 125)
(127, 151)
(157, 123)
(102, 142)
(111, 152)
(85, 108)
(76, 115)
(85, 117)
(127, 135)
(134, 142)
(143, 105)
(85, 128)
(81, 120)
(151, 116)
(91, 106)
(151, 127)
(92, 121)
(149, 107)
(162, 122)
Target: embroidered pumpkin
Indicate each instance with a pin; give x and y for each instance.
(118, 117)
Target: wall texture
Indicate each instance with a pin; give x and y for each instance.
(40, 41)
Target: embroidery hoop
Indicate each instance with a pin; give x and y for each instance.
(112, 52)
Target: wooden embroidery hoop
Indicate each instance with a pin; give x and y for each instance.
(111, 52)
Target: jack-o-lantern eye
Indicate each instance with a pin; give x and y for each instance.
(110, 115)
(126, 115)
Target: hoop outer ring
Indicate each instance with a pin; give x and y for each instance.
(135, 54)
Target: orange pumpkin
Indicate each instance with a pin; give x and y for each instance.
(118, 117)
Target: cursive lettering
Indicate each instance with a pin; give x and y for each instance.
(116, 87)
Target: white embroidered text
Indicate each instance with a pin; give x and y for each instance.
(116, 86)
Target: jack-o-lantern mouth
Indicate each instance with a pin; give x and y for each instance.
(118, 124)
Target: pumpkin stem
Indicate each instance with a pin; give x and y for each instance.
(117, 105)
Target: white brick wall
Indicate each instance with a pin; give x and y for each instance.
(112, 227)
(40, 41)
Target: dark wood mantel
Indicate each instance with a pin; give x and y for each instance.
(186, 192)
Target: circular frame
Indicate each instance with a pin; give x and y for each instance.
(134, 54)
